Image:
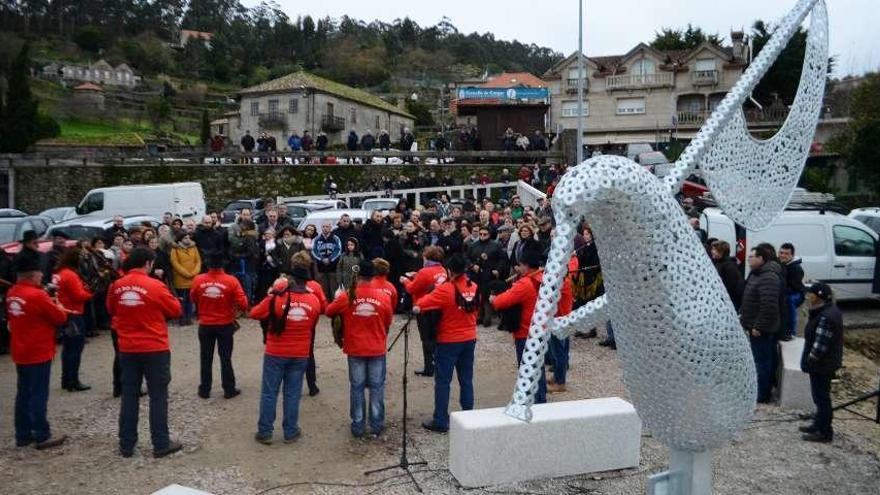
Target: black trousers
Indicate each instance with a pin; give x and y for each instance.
(311, 375)
(428, 344)
(220, 336)
(155, 367)
(117, 370)
(820, 386)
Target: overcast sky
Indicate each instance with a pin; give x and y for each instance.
(613, 26)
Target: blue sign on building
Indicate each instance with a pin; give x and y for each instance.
(503, 93)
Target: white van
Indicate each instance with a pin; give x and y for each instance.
(183, 199)
(833, 248)
(317, 218)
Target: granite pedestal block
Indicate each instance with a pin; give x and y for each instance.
(176, 489)
(487, 447)
(794, 384)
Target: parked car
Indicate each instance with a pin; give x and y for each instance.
(317, 218)
(91, 226)
(381, 204)
(230, 211)
(12, 231)
(298, 211)
(60, 213)
(330, 203)
(182, 199)
(12, 212)
(835, 249)
(868, 216)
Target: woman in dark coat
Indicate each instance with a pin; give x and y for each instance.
(729, 271)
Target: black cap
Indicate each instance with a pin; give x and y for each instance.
(62, 234)
(29, 235)
(366, 269)
(822, 290)
(216, 260)
(532, 255)
(456, 263)
(300, 273)
(28, 264)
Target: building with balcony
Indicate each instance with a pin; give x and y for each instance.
(301, 101)
(647, 95)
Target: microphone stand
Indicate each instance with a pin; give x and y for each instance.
(404, 461)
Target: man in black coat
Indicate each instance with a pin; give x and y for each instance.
(345, 229)
(794, 288)
(822, 356)
(209, 240)
(760, 315)
(728, 271)
(488, 264)
(247, 142)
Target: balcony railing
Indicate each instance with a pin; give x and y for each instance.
(635, 81)
(768, 116)
(571, 85)
(704, 77)
(273, 120)
(331, 123)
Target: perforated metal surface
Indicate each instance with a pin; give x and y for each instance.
(686, 361)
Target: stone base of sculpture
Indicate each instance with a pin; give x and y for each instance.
(488, 447)
(176, 489)
(794, 384)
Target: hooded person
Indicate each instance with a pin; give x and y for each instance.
(351, 257)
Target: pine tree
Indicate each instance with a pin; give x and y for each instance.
(206, 128)
(20, 118)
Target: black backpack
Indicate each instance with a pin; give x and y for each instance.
(512, 316)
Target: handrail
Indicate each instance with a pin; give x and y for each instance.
(397, 193)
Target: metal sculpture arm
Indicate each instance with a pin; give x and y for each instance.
(589, 315)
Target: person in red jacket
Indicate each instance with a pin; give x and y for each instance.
(380, 281)
(559, 348)
(524, 293)
(140, 306)
(292, 313)
(33, 318)
(417, 285)
(303, 259)
(458, 304)
(217, 295)
(73, 295)
(366, 316)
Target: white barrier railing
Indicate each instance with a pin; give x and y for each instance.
(460, 191)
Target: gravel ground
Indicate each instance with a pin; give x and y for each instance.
(221, 457)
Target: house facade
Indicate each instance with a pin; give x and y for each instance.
(649, 96)
(304, 102)
(99, 72)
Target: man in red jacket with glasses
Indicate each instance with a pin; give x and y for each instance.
(217, 295)
(33, 317)
(141, 306)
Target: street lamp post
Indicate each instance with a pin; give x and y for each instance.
(580, 105)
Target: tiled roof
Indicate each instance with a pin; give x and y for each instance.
(302, 79)
(88, 87)
(513, 80)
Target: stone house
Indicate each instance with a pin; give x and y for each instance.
(301, 101)
(648, 96)
(99, 72)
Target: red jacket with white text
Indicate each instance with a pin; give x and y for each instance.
(33, 318)
(365, 321)
(217, 294)
(140, 306)
(456, 325)
(296, 339)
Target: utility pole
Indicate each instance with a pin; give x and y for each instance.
(580, 106)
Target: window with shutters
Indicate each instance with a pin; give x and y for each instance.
(630, 106)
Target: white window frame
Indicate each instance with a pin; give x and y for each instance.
(631, 109)
(638, 68)
(705, 61)
(569, 109)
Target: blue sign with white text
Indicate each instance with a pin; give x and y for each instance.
(503, 93)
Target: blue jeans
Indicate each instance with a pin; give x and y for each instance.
(71, 352)
(31, 401)
(764, 353)
(559, 349)
(276, 370)
(155, 367)
(367, 372)
(460, 357)
(794, 300)
(183, 295)
(248, 282)
(541, 395)
(609, 331)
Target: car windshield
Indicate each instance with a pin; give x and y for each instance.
(297, 211)
(380, 205)
(7, 232)
(237, 205)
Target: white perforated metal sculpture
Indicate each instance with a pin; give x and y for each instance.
(686, 361)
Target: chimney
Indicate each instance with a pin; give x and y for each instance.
(737, 38)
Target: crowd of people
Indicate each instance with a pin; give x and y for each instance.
(453, 266)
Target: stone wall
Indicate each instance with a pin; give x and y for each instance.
(38, 186)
